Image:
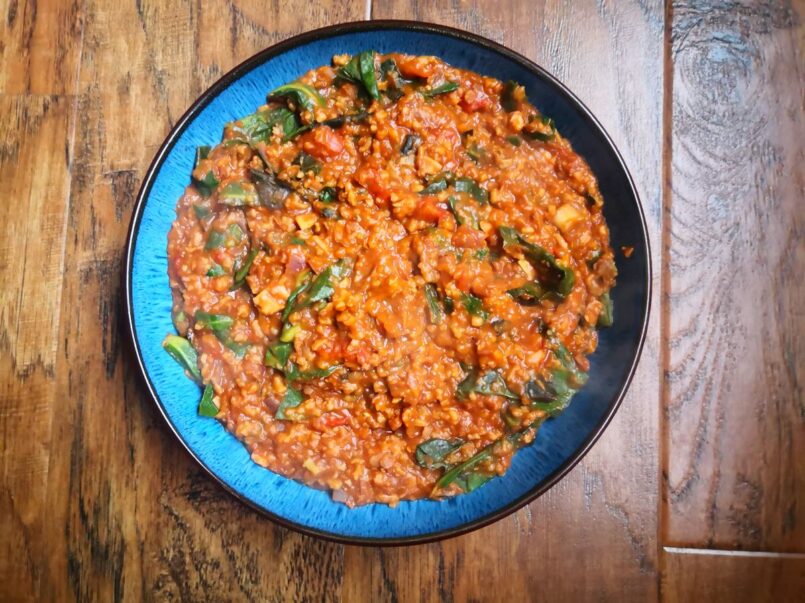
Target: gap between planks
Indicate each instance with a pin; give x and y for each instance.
(665, 278)
(675, 550)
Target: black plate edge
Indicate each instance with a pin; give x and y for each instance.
(248, 65)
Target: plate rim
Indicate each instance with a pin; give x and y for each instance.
(248, 65)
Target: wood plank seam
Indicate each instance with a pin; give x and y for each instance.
(730, 553)
(665, 282)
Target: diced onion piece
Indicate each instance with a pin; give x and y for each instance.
(528, 269)
(305, 221)
(311, 466)
(267, 303)
(566, 216)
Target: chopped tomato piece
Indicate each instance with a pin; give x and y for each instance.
(475, 100)
(374, 180)
(466, 236)
(333, 420)
(422, 67)
(428, 210)
(322, 142)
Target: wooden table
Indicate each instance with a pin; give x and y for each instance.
(697, 489)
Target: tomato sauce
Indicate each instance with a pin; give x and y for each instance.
(392, 273)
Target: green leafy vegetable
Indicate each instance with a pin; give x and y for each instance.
(271, 192)
(328, 194)
(540, 128)
(467, 385)
(216, 270)
(462, 184)
(215, 322)
(215, 240)
(366, 64)
(508, 96)
(207, 408)
(277, 355)
(237, 194)
(490, 384)
(307, 163)
(180, 321)
(474, 305)
(242, 272)
(449, 304)
(302, 95)
(441, 89)
(514, 140)
(207, 184)
(322, 286)
(554, 395)
(468, 185)
(493, 384)
(438, 183)
(530, 294)
(259, 126)
(202, 153)
(388, 67)
(341, 120)
(234, 142)
(476, 152)
(472, 481)
(230, 237)
(430, 454)
(452, 203)
(395, 81)
(201, 211)
(183, 353)
(238, 348)
(289, 332)
(550, 274)
(360, 70)
(606, 318)
(463, 468)
(255, 127)
(432, 297)
(220, 325)
(462, 212)
(317, 373)
(463, 474)
(303, 282)
(292, 399)
(351, 71)
(234, 234)
(297, 241)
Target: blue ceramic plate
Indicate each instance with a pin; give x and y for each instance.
(561, 442)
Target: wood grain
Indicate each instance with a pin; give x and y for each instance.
(736, 254)
(732, 577)
(40, 44)
(34, 158)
